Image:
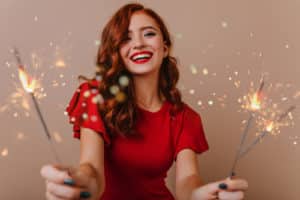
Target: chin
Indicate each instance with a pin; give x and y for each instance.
(142, 70)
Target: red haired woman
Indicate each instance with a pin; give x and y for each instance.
(132, 123)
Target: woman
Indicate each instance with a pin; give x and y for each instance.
(134, 106)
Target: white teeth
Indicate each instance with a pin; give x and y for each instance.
(141, 56)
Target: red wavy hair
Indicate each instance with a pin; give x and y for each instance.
(120, 116)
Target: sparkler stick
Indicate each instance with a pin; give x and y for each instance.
(29, 85)
(255, 105)
(265, 132)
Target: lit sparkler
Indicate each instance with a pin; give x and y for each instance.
(254, 105)
(29, 84)
(270, 126)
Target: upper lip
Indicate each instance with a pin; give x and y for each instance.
(141, 52)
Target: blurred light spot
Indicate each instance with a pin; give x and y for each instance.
(120, 97)
(192, 91)
(199, 103)
(98, 99)
(210, 102)
(224, 24)
(287, 46)
(114, 89)
(4, 152)
(85, 116)
(193, 69)
(20, 135)
(60, 63)
(124, 81)
(179, 35)
(86, 93)
(97, 42)
(205, 71)
(57, 137)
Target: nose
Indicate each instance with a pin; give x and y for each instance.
(138, 43)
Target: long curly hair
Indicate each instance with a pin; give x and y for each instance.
(119, 111)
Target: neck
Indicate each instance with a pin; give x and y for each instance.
(147, 92)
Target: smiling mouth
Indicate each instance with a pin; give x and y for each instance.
(141, 57)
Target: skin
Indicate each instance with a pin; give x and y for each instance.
(144, 34)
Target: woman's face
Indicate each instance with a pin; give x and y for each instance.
(143, 50)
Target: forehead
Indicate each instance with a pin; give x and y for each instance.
(139, 20)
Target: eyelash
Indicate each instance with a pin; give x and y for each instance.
(150, 34)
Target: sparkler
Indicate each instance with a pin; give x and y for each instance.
(29, 85)
(270, 126)
(255, 104)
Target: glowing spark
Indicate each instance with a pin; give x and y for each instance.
(224, 24)
(193, 69)
(4, 152)
(97, 42)
(192, 91)
(270, 127)
(199, 103)
(210, 102)
(28, 83)
(60, 63)
(237, 84)
(255, 102)
(287, 46)
(296, 95)
(205, 71)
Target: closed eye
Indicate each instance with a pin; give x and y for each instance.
(150, 34)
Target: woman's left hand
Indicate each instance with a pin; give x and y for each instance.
(228, 189)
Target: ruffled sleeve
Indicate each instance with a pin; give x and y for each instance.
(83, 110)
(189, 133)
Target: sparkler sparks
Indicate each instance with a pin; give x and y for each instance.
(29, 85)
(269, 120)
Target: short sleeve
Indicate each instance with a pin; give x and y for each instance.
(83, 110)
(190, 134)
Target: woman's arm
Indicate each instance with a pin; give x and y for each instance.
(92, 156)
(189, 185)
(187, 174)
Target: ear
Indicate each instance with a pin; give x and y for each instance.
(166, 50)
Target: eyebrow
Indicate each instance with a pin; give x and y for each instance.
(144, 28)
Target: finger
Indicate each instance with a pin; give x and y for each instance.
(208, 191)
(63, 191)
(226, 195)
(50, 196)
(54, 174)
(84, 175)
(236, 184)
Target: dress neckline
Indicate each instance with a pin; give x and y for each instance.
(161, 110)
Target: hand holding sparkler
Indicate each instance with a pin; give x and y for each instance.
(70, 183)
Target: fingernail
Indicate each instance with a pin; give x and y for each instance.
(223, 186)
(69, 182)
(85, 195)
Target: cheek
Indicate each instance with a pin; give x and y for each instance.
(124, 53)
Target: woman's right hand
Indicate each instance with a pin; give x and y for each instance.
(65, 183)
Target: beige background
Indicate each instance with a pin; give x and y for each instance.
(220, 36)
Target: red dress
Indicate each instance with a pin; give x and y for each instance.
(135, 167)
